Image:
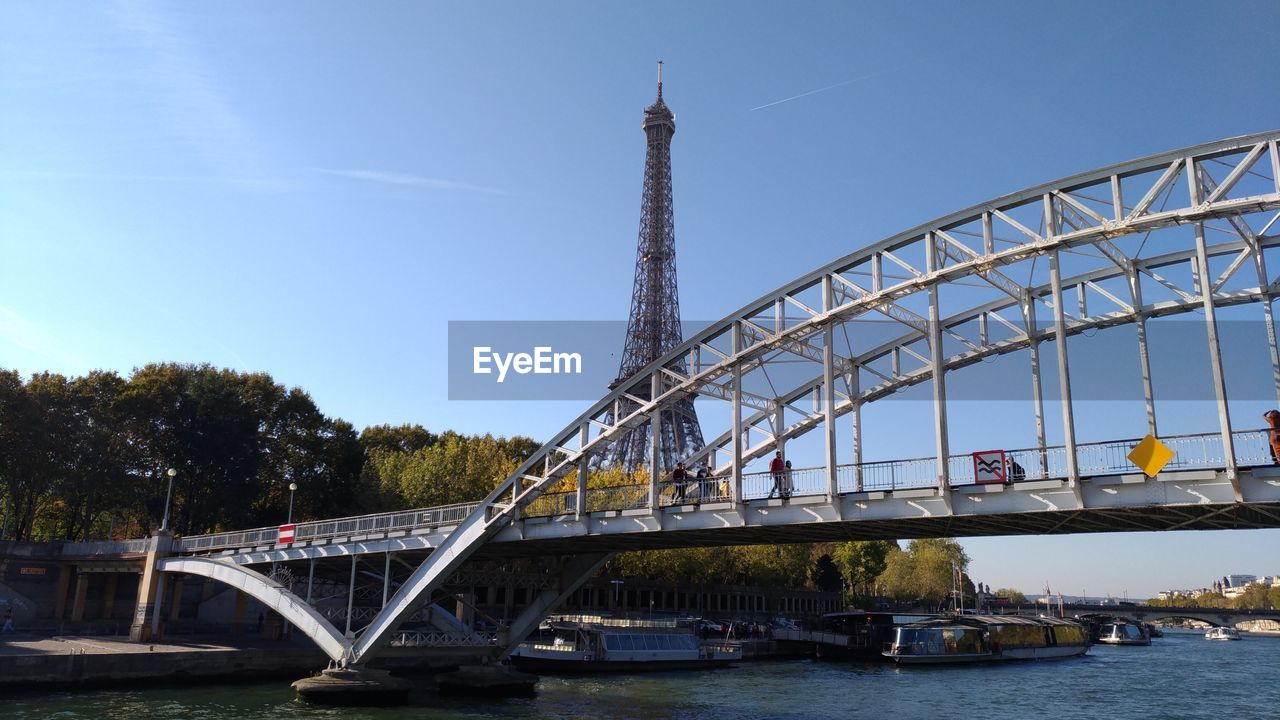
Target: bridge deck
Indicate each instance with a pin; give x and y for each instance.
(893, 499)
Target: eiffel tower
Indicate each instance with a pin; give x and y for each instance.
(653, 329)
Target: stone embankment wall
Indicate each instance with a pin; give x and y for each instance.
(30, 671)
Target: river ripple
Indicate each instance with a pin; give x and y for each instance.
(1181, 675)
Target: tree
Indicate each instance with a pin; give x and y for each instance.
(1013, 596)
(1255, 595)
(862, 562)
(826, 574)
(401, 438)
(924, 571)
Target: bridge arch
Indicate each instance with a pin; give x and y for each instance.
(270, 593)
(1081, 236)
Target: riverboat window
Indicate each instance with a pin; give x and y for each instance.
(1068, 635)
(921, 641)
(650, 642)
(962, 640)
(1132, 632)
(1011, 636)
(664, 642)
(625, 642)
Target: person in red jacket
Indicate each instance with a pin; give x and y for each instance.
(1273, 419)
(778, 468)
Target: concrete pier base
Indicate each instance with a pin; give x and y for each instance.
(353, 686)
(487, 680)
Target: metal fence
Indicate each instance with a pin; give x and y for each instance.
(107, 547)
(425, 518)
(1192, 451)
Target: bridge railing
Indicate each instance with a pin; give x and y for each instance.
(107, 547)
(796, 482)
(1191, 451)
(443, 516)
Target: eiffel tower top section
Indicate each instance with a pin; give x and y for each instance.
(654, 324)
(658, 115)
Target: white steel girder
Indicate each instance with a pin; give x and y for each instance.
(1069, 224)
(269, 593)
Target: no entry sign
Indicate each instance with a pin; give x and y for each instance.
(286, 533)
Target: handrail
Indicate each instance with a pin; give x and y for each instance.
(1192, 451)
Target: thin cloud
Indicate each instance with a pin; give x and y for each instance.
(18, 332)
(133, 177)
(407, 180)
(187, 92)
(814, 92)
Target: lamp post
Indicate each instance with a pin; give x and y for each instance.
(292, 488)
(164, 524)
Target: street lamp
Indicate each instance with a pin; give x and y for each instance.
(164, 524)
(292, 488)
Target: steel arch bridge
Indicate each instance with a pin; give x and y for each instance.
(1106, 248)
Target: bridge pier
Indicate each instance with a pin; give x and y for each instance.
(353, 685)
(146, 619)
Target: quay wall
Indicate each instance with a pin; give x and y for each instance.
(50, 670)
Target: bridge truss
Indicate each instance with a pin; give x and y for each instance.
(1189, 231)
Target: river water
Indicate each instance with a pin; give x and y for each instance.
(1181, 675)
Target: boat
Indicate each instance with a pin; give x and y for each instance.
(852, 635)
(1222, 633)
(987, 638)
(1121, 632)
(585, 643)
(1115, 630)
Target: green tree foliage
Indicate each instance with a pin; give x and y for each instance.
(404, 438)
(450, 468)
(1013, 596)
(923, 572)
(827, 575)
(1256, 595)
(862, 562)
(84, 457)
(766, 565)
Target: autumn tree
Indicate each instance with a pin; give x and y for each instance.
(924, 571)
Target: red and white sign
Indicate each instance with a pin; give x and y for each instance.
(988, 467)
(286, 533)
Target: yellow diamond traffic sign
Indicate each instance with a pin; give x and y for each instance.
(1150, 455)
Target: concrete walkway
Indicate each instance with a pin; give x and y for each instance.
(31, 661)
(20, 644)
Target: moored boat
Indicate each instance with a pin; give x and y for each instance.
(1115, 630)
(987, 638)
(599, 644)
(852, 635)
(1121, 632)
(1222, 633)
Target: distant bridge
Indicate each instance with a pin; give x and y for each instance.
(1148, 613)
(1182, 232)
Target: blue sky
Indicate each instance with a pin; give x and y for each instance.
(315, 189)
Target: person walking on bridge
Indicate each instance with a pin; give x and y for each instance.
(778, 469)
(679, 478)
(1273, 435)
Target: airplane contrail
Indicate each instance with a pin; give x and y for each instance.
(814, 92)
